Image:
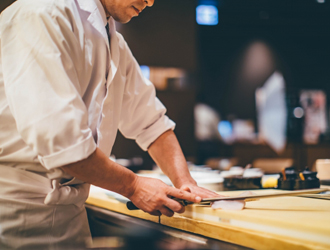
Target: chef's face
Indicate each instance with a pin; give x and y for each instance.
(124, 10)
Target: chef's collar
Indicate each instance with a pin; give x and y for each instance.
(102, 11)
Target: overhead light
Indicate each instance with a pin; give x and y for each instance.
(207, 15)
(145, 71)
(225, 129)
(320, 1)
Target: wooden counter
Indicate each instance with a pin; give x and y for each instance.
(273, 223)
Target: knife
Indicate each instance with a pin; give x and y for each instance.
(208, 201)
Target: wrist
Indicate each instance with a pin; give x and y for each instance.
(180, 182)
(130, 185)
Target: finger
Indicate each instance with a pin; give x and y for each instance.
(210, 192)
(203, 192)
(200, 191)
(206, 193)
(174, 206)
(167, 212)
(184, 195)
(186, 188)
(156, 213)
(181, 210)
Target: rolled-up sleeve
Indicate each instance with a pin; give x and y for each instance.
(39, 53)
(143, 117)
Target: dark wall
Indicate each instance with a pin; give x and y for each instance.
(164, 35)
(4, 4)
(179, 106)
(296, 32)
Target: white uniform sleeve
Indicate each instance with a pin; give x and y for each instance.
(38, 52)
(143, 117)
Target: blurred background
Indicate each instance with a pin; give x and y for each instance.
(248, 84)
(244, 80)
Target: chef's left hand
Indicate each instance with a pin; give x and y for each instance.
(199, 191)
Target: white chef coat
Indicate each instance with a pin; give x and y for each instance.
(63, 92)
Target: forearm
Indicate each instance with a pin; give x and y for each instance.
(167, 154)
(100, 171)
(149, 194)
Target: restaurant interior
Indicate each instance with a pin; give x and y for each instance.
(247, 83)
(218, 70)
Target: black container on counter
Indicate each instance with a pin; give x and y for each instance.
(291, 180)
(238, 182)
(306, 180)
(287, 179)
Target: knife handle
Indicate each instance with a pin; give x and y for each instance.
(130, 206)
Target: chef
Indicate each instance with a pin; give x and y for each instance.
(68, 82)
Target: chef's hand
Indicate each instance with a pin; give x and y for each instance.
(154, 197)
(199, 191)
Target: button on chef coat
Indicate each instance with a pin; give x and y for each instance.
(64, 91)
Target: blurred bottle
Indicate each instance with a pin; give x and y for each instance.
(296, 115)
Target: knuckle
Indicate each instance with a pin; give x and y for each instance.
(149, 210)
(181, 194)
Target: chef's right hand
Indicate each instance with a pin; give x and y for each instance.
(154, 197)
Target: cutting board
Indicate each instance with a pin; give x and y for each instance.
(273, 223)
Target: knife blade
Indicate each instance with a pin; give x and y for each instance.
(207, 201)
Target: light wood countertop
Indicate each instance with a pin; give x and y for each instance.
(273, 223)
